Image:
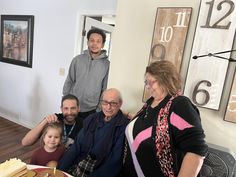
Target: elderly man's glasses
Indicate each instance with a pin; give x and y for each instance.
(112, 103)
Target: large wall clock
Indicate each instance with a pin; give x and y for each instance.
(170, 31)
(214, 33)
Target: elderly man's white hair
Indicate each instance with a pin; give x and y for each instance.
(114, 90)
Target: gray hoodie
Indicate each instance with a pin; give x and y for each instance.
(87, 78)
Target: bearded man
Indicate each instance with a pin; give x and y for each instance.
(69, 119)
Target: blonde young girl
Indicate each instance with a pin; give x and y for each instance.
(51, 150)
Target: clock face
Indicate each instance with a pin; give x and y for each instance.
(170, 31)
(214, 33)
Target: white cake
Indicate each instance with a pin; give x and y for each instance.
(13, 168)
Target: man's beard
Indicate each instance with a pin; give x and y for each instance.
(70, 118)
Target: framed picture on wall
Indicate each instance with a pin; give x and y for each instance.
(17, 39)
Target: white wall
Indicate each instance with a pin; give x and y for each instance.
(131, 46)
(26, 95)
(29, 94)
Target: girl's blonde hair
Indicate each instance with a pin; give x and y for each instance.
(55, 125)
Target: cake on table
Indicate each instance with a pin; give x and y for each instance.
(16, 168)
(49, 173)
(13, 168)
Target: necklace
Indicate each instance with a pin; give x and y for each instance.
(154, 104)
(146, 111)
(65, 136)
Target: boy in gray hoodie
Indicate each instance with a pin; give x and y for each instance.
(88, 73)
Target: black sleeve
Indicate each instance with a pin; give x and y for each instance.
(186, 128)
(59, 116)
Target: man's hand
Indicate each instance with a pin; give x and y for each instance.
(51, 118)
(34, 134)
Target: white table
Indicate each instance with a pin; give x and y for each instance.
(31, 167)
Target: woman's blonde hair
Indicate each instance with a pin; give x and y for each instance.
(55, 125)
(167, 76)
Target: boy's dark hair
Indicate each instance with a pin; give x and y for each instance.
(98, 31)
(69, 97)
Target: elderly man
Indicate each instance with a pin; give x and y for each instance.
(71, 122)
(99, 145)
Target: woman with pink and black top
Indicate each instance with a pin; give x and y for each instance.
(165, 138)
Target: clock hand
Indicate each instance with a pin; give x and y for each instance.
(216, 55)
(207, 55)
(199, 56)
(227, 51)
(224, 58)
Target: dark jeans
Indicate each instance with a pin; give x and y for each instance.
(83, 115)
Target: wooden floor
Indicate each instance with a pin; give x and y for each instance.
(10, 141)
